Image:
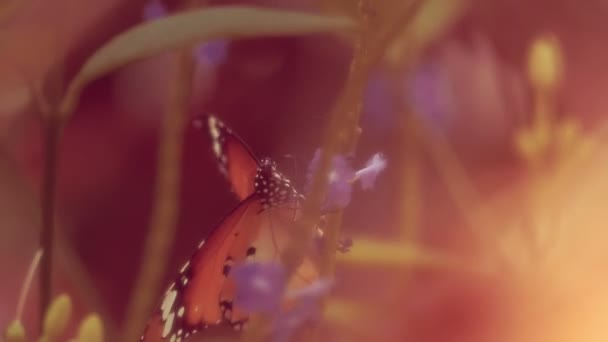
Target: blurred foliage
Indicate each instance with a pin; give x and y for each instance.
(190, 27)
(349, 8)
(400, 31)
(432, 19)
(56, 321)
(8, 8)
(548, 136)
(373, 253)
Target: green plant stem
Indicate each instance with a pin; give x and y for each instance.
(47, 232)
(165, 212)
(412, 178)
(343, 132)
(341, 135)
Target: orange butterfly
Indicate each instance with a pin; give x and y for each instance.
(203, 293)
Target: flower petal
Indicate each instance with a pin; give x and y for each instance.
(259, 286)
(340, 179)
(338, 195)
(306, 309)
(367, 176)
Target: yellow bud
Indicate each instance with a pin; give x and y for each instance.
(15, 332)
(545, 63)
(91, 329)
(57, 317)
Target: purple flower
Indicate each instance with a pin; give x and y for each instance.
(342, 176)
(306, 309)
(367, 175)
(259, 287)
(340, 179)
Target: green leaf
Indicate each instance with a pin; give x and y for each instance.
(172, 32)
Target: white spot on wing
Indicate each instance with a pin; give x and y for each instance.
(168, 325)
(215, 133)
(184, 267)
(168, 302)
(217, 149)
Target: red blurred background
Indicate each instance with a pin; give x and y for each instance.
(276, 94)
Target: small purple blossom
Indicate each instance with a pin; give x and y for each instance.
(342, 176)
(259, 287)
(306, 309)
(340, 181)
(367, 175)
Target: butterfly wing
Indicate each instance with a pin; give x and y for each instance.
(192, 301)
(236, 161)
(257, 228)
(203, 293)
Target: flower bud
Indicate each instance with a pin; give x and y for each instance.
(91, 329)
(15, 332)
(545, 63)
(57, 317)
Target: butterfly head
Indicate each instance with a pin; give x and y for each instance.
(272, 186)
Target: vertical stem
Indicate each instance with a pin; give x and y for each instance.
(343, 132)
(411, 141)
(165, 212)
(47, 232)
(341, 135)
(411, 179)
(25, 289)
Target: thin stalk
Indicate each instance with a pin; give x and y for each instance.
(412, 176)
(165, 213)
(27, 283)
(47, 232)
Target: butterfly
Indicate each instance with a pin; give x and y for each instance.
(257, 228)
